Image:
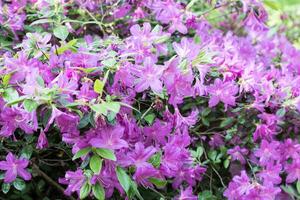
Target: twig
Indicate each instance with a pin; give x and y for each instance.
(51, 181)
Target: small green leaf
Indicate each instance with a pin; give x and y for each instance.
(158, 182)
(68, 46)
(81, 152)
(298, 186)
(98, 191)
(30, 105)
(123, 178)
(206, 195)
(272, 4)
(85, 190)
(226, 122)
(19, 184)
(42, 21)
(113, 106)
(61, 32)
(99, 108)
(6, 78)
(280, 112)
(26, 152)
(200, 151)
(106, 153)
(96, 164)
(205, 112)
(5, 188)
(84, 121)
(109, 62)
(150, 118)
(205, 121)
(155, 160)
(40, 81)
(98, 86)
(226, 163)
(10, 94)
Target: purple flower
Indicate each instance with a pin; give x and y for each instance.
(141, 34)
(110, 138)
(263, 131)
(175, 155)
(222, 91)
(141, 155)
(293, 171)
(238, 153)
(108, 179)
(84, 59)
(239, 186)
(149, 76)
(290, 149)
(186, 49)
(42, 141)
(186, 194)
(216, 141)
(268, 152)
(271, 174)
(74, 180)
(13, 118)
(14, 167)
(157, 132)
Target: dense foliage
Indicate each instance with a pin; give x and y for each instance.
(149, 99)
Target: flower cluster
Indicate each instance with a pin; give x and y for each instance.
(137, 98)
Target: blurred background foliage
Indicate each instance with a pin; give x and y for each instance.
(284, 17)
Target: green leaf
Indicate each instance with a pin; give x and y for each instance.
(200, 151)
(6, 78)
(98, 191)
(81, 152)
(155, 160)
(85, 190)
(205, 112)
(10, 94)
(109, 62)
(226, 163)
(226, 122)
(26, 152)
(40, 81)
(19, 184)
(298, 186)
(106, 153)
(96, 164)
(158, 182)
(272, 4)
(206, 195)
(30, 105)
(134, 191)
(113, 106)
(68, 46)
(2, 175)
(289, 189)
(84, 121)
(99, 108)
(123, 178)
(5, 188)
(61, 32)
(42, 21)
(98, 86)
(150, 118)
(281, 112)
(205, 121)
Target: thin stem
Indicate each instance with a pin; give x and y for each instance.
(50, 181)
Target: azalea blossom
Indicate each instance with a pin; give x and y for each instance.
(14, 167)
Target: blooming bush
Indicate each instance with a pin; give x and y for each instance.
(148, 99)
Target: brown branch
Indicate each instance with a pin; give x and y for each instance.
(51, 181)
